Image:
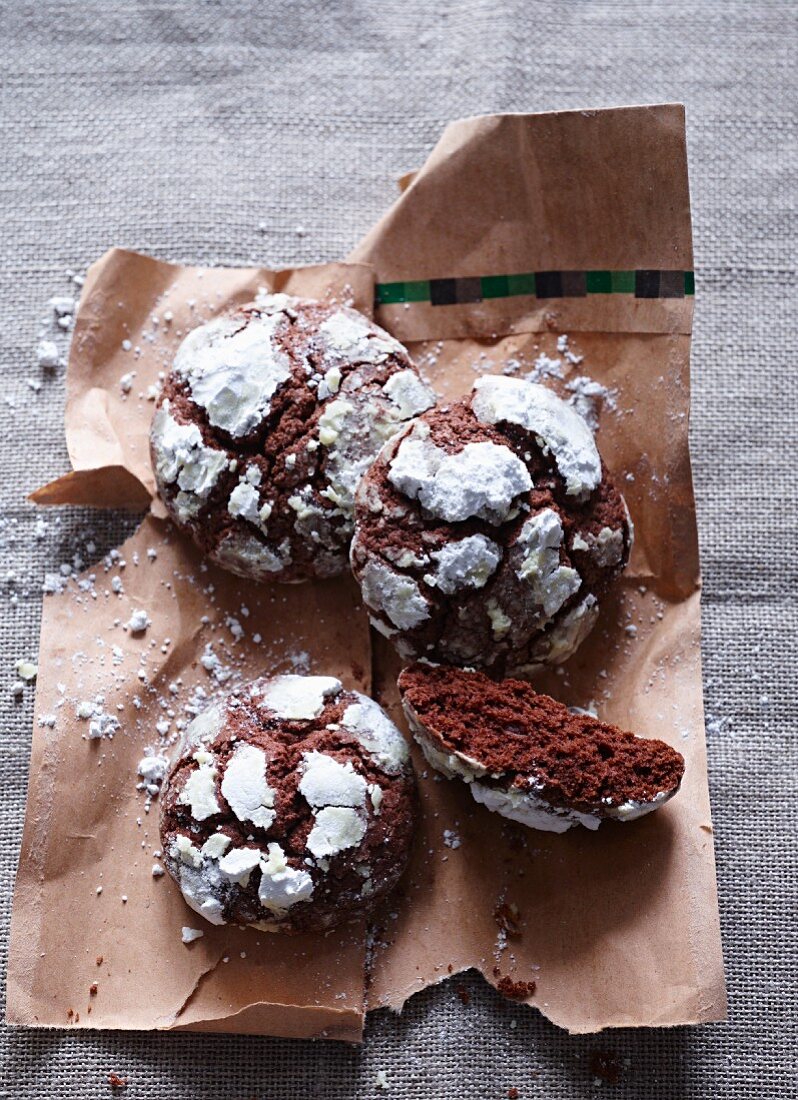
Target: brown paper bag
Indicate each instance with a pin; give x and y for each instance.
(516, 230)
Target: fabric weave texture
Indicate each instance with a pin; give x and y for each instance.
(246, 133)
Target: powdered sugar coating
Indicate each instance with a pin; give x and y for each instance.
(245, 786)
(348, 337)
(482, 480)
(266, 424)
(376, 733)
(499, 399)
(233, 370)
(335, 828)
(535, 556)
(200, 790)
(466, 563)
(282, 885)
(478, 539)
(530, 809)
(327, 782)
(298, 698)
(289, 806)
(397, 596)
(182, 459)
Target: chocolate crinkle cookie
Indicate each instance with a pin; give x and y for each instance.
(290, 806)
(266, 423)
(529, 757)
(487, 531)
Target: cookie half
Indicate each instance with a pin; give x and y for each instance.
(529, 757)
(289, 806)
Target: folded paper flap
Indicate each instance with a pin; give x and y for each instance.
(105, 487)
(527, 222)
(565, 191)
(133, 313)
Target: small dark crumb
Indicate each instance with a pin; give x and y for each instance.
(117, 1082)
(516, 840)
(450, 968)
(99, 960)
(496, 972)
(93, 989)
(70, 1013)
(517, 991)
(513, 1094)
(606, 1066)
(507, 917)
(463, 994)
(77, 1017)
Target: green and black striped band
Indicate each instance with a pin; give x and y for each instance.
(538, 284)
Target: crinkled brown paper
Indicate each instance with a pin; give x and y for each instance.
(617, 927)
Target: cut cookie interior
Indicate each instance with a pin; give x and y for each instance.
(530, 758)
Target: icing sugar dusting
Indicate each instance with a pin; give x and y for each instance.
(281, 885)
(500, 399)
(299, 698)
(245, 786)
(376, 733)
(327, 782)
(181, 456)
(234, 369)
(588, 398)
(539, 542)
(335, 829)
(351, 338)
(399, 597)
(466, 563)
(482, 480)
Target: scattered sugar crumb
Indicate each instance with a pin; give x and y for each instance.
(26, 670)
(138, 622)
(102, 725)
(62, 306)
(47, 355)
(717, 726)
(589, 398)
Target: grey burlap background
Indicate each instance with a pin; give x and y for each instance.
(177, 127)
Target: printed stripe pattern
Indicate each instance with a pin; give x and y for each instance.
(538, 284)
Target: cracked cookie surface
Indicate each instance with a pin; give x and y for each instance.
(487, 531)
(289, 806)
(265, 425)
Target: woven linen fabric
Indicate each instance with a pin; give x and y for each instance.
(226, 131)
